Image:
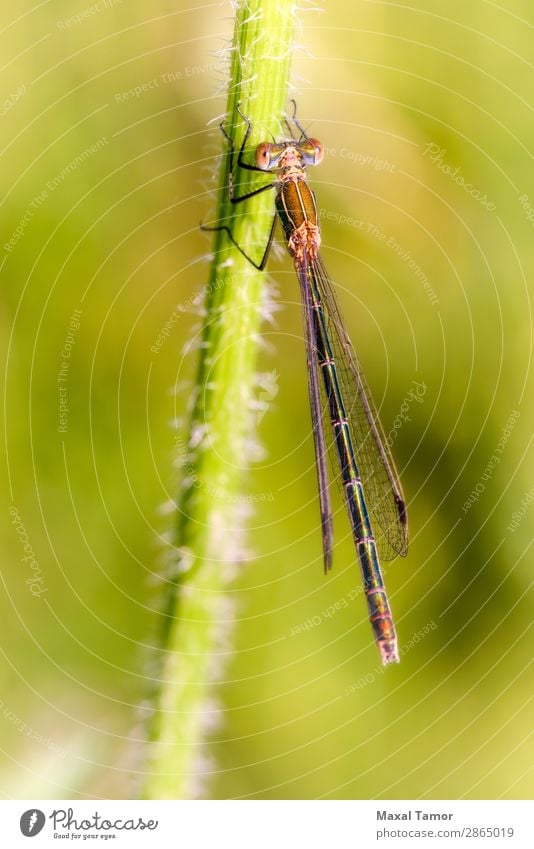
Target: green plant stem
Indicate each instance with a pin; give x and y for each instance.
(210, 514)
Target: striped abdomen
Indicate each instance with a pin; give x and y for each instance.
(377, 602)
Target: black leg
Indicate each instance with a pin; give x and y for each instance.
(228, 232)
(251, 194)
(248, 194)
(242, 164)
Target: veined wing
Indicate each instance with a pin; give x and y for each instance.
(382, 488)
(317, 419)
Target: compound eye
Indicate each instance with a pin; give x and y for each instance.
(263, 156)
(313, 151)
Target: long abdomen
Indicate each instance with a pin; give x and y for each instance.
(377, 601)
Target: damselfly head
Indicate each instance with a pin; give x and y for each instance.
(268, 155)
(312, 151)
(263, 155)
(307, 152)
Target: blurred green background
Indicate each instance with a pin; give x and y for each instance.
(108, 160)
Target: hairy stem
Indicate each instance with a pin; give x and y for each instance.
(210, 518)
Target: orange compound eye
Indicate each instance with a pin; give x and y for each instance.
(263, 156)
(313, 151)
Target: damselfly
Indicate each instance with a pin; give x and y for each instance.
(372, 491)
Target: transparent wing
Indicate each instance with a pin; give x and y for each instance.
(317, 421)
(381, 485)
